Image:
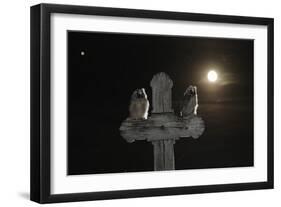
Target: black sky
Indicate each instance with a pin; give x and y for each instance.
(101, 81)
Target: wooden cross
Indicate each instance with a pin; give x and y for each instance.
(163, 127)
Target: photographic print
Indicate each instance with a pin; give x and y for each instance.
(133, 103)
(139, 102)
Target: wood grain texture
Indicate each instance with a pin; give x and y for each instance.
(164, 154)
(162, 126)
(161, 93)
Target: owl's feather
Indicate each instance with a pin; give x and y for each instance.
(190, 102)
(139, 105)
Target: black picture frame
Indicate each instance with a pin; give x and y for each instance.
(40, 102)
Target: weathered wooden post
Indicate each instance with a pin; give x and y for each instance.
(161, 85)
(162, 103)
(163, 127)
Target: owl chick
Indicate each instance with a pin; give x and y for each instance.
(190, 102)
(139, 105)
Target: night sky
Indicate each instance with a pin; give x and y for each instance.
(105, 68)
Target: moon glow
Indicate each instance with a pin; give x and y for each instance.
(212, 76)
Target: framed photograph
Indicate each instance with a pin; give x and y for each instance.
(132, 103)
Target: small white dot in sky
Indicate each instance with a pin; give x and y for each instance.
(82, 53)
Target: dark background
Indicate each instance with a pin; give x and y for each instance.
(101, 81)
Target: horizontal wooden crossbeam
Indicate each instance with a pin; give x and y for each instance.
(162, 126)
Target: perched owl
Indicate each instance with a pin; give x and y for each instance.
(190, 102)
(139, 105)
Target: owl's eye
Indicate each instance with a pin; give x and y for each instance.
(191, 92)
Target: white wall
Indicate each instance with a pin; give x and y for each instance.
(14, 101)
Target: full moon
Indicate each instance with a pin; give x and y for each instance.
(212, 76)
